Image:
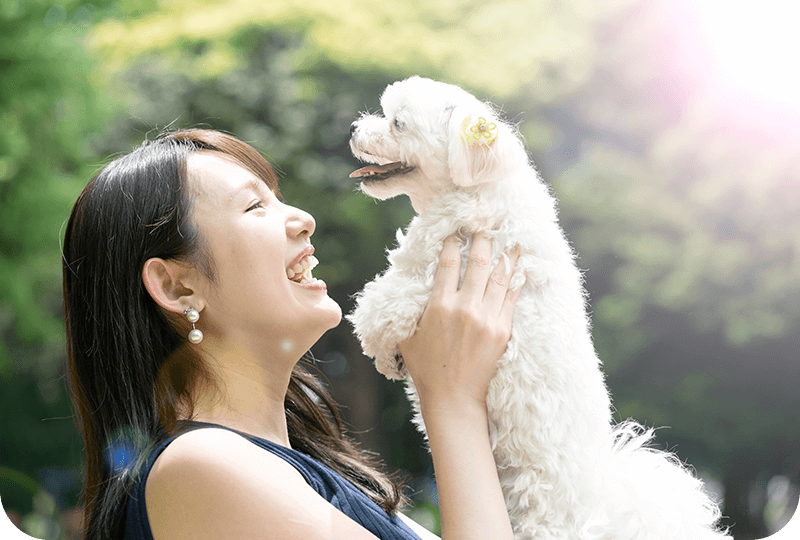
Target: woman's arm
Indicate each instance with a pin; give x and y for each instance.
(451, 358)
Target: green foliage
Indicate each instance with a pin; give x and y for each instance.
(46, 105)
(497, 46)
(695, 200)
(683, 209)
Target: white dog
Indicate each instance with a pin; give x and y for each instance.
(567, 472)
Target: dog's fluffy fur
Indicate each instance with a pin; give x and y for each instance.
(567, 472)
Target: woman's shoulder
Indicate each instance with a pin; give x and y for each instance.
(214, 483)
(217, 449)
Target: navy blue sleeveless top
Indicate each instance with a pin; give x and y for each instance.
(337, 490)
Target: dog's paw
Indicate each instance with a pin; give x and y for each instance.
(386, 313)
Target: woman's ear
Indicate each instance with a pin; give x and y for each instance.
(171, 285)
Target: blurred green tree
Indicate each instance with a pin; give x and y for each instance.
(681, 196)
(48, 104)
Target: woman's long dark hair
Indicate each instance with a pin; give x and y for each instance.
(130, 371)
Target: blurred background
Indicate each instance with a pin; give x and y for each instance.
(668, 130)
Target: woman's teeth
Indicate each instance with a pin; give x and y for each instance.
(301, 272)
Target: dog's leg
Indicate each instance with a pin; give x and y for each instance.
(386, 313)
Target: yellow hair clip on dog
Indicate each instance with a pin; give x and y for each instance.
(481, 132)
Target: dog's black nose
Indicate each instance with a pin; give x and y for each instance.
(353, 128)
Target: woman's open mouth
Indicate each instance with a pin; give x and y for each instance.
(301, 271)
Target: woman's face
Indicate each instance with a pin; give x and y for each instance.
(254, 241)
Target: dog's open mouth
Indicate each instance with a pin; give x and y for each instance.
(381, 172)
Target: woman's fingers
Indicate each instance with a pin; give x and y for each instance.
(479, 266)
(449, 270)
(497, 291)
(483, 283)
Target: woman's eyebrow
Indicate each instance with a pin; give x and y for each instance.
(253, 185)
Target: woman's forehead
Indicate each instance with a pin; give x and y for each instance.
(219, 175)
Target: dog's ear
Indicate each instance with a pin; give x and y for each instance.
(481, 148)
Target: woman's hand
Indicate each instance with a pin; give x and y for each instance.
(463, 332)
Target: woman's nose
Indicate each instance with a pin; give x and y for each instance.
(300, 223)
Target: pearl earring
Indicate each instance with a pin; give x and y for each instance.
(195, 335)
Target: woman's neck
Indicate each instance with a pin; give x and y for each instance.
(249, 398)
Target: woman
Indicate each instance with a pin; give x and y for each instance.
(189, 300)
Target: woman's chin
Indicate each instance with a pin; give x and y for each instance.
(328, 314)
(335, 314)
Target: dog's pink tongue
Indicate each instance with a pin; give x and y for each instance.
(376, 169)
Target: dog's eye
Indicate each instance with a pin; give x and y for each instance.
(398, 124)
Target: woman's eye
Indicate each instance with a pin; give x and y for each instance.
(257, 204)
